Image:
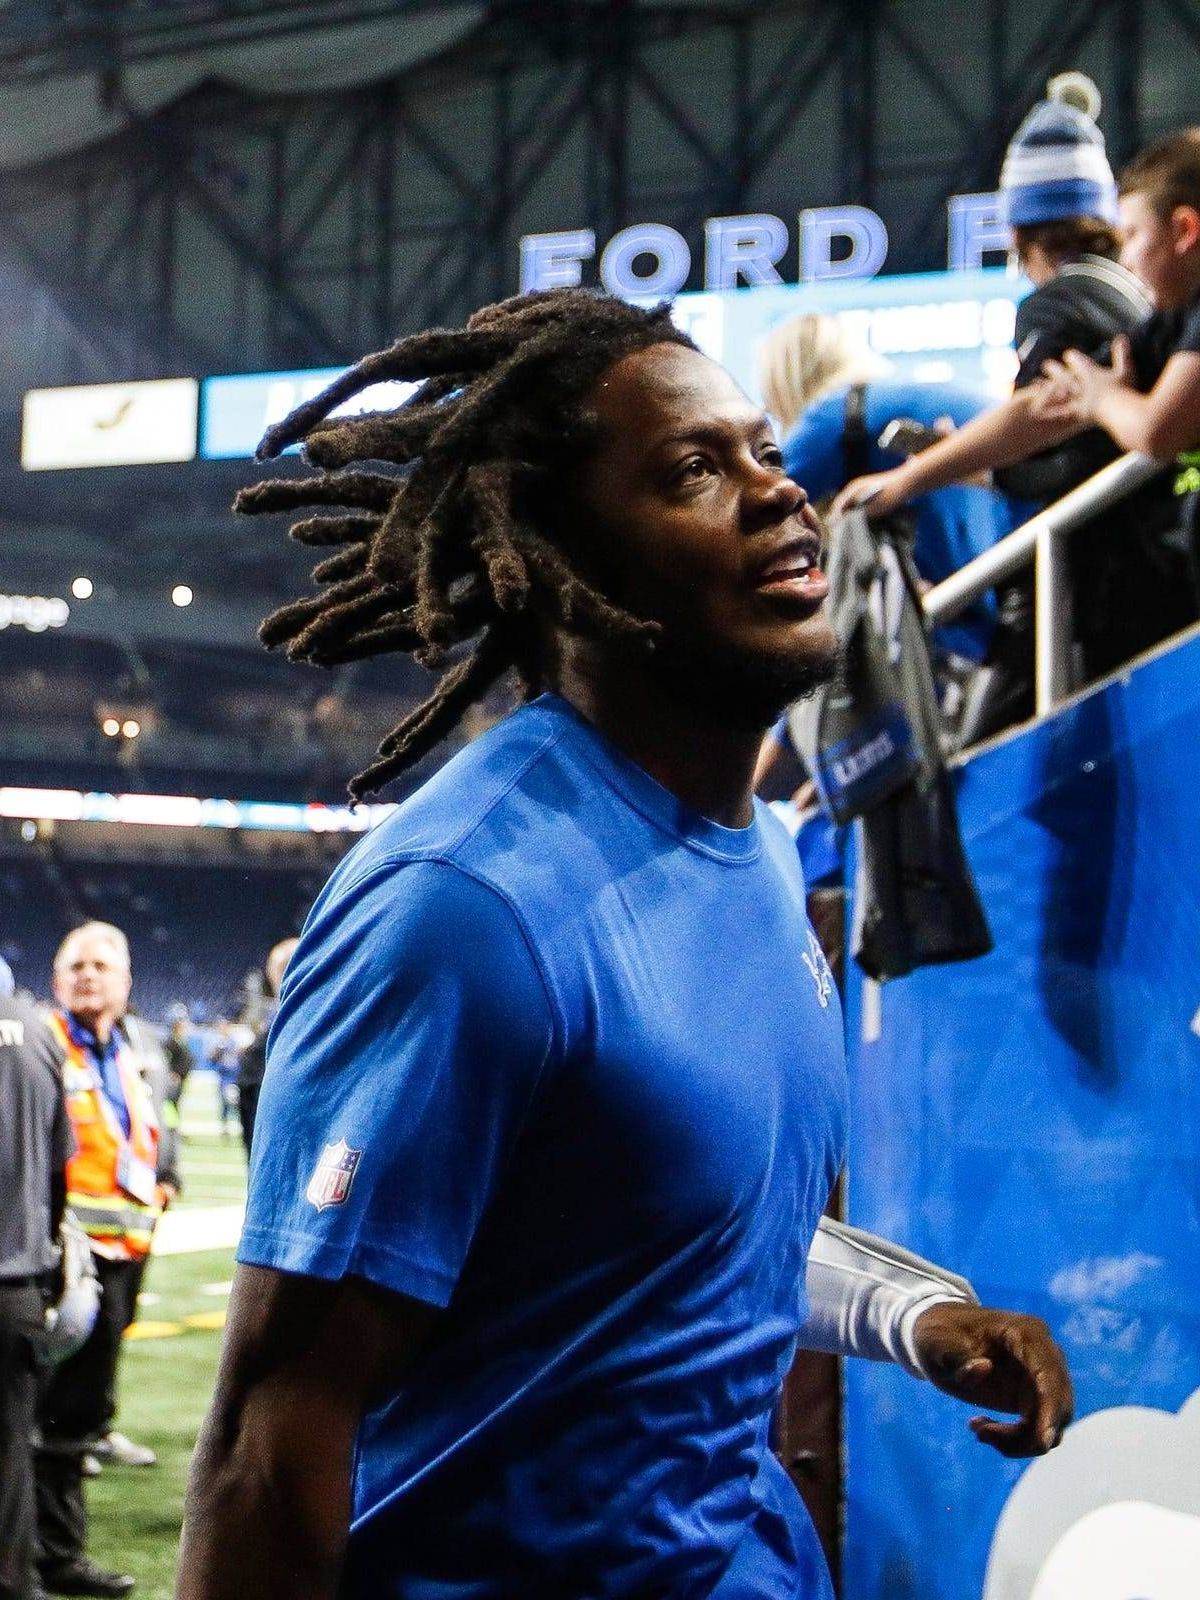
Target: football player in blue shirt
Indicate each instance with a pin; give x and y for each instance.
(557, 1093)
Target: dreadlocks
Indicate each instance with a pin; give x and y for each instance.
(463, 549)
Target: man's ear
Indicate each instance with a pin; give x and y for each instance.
(1185, 229)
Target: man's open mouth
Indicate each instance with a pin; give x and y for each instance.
(793, 571)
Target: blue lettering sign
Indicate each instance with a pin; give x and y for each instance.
(555, 260)
(976, 227)
(669, 249)
(743, 248)
(747, 249)
(862, 228)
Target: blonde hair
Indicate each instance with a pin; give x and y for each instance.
(277, 961)
(101, 930)
(807, 357)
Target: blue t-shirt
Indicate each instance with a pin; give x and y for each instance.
(563, 1057)
(953, 525)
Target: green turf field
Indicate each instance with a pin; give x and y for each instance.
(166, 1378)
(213, 1166)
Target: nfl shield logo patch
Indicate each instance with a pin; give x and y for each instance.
(333, 1175)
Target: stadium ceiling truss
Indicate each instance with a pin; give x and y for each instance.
(326, 224)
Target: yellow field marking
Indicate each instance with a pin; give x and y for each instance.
(197, 1321)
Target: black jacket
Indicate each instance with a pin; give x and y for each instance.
(1083, 308)
(872, 740)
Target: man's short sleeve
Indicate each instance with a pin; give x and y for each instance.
(1152, 344)
(1188, 341)
(412, 1033)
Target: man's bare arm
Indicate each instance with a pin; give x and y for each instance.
(870, 1297)
(268, 1504)
(996, 438)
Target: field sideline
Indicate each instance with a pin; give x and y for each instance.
(167, 1369)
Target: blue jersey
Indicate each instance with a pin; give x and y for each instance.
(563, 1057)
(953, 525)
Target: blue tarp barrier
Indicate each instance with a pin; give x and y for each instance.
(1033, 1120)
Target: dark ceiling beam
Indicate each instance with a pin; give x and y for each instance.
(532, 166)
(815, 60)
(128, 33)
(122, 337)
(978, 167)
(160, 137)
(685, 126)
(1187, 14)
(334, 181)
(435, 153)
(928, 71)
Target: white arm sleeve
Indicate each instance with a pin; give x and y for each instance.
(865, 1295)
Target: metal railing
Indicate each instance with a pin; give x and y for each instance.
(1044, 539)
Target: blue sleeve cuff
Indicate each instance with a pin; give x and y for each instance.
(285, 1250)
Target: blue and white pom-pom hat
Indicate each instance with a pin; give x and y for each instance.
(1056, 166)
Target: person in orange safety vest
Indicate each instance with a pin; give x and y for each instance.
(113, 1190)
(111, 1179)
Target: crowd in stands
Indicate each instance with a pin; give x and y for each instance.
(1108, 362)
(195, 931)
(206, 715)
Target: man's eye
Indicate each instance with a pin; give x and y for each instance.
(771, 455)
(694, 468)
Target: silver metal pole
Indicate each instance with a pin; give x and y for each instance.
(1054, 676)
(1110, 484)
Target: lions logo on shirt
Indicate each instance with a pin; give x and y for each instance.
(333, 1175)
(814, 960)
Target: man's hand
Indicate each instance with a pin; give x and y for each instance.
(878, 493)
(1003, 1360)
(1073, 389)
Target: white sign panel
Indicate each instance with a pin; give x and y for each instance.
(110, 425)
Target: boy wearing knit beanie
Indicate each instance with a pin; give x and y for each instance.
(1148, 398)
(1061, 202)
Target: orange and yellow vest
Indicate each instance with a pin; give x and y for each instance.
(111, 1184)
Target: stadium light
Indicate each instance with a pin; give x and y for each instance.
(131, 728)
(110, 727)
(82, 588)
(181, 595)
(188, 811)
